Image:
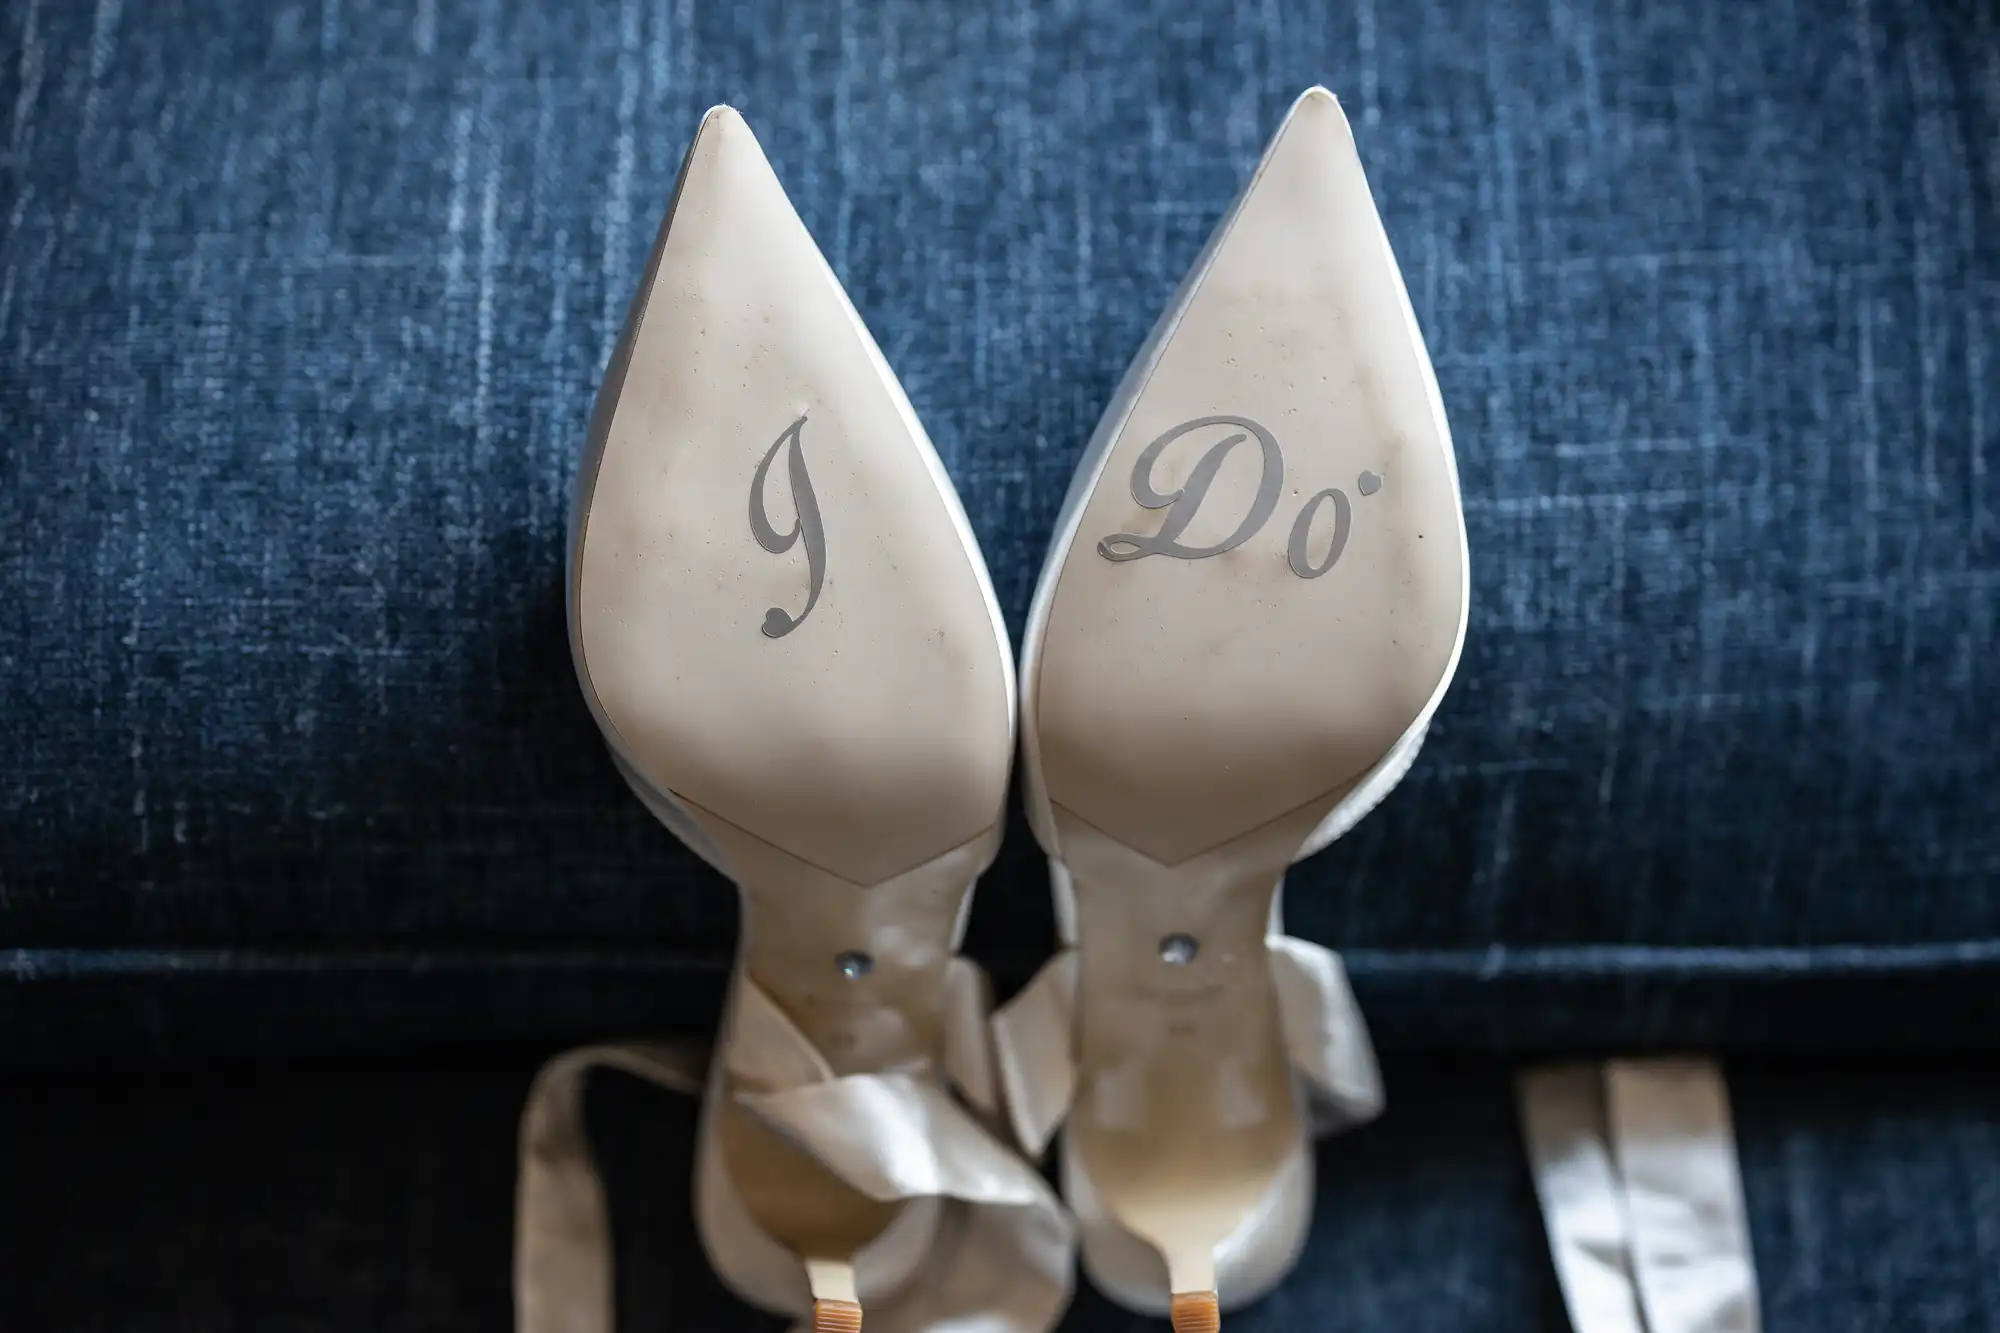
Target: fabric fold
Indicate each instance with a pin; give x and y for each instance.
(1034, 1046)
(898, 1136)
(1325, 1034)
(968, 1041)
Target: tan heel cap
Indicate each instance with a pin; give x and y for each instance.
(1196, 1312)
(839, 1317)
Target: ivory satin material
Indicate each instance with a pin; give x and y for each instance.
(986, 1246)
(1331, 1055)
(1636, 1169)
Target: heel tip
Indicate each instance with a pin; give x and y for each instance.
(1195, 1312)
(836, 1317)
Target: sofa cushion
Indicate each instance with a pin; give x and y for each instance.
(304, 307)
(380, 1199)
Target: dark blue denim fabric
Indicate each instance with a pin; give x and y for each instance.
(302, 306)
(370, 1201)
(140, 1008)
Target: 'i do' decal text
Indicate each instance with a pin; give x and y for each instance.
(805, 523)
(1182, 505)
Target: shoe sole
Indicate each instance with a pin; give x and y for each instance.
(786, 633)
(1259, 589)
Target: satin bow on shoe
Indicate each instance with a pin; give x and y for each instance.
(1000, 1256)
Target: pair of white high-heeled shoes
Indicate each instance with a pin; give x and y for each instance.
(1254, 601)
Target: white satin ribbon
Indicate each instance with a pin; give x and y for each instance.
(1326, 1039)
(562, 1229)
(1003, 1252)
(1635, 1166)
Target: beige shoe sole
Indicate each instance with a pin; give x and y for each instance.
(1257, 593)
(788, 637)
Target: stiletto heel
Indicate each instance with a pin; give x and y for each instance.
(836, 1305)
(1195, 1312)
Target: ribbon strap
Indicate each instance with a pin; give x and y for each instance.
(1635, 1166)
(562, 1230)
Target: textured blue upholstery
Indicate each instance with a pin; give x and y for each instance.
(302, 306)
(377, 1201)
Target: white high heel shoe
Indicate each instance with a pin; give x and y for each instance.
(1254, 602)
(788, 637)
